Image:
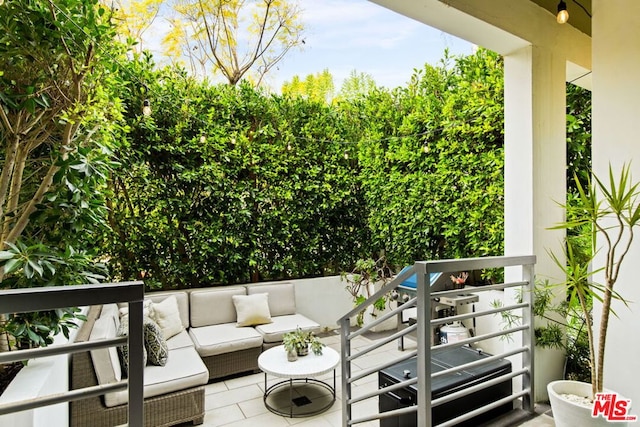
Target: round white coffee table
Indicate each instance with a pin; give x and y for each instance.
(309, 395)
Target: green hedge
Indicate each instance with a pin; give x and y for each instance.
(228, 184)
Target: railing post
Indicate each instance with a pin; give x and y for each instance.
(528, 338)
(345, 349)
(136, 376)
(423, 292)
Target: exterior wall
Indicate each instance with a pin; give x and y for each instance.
(616, 126)
(322, 299)
(535, 159)
(41, 377)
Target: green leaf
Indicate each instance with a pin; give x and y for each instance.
(12, 265)
(6, 255)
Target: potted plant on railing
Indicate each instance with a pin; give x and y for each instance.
(607, 210)
(363, 281)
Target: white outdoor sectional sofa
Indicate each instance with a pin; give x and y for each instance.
(205, 343)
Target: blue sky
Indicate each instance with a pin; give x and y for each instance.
(343, 35)
(346, 35)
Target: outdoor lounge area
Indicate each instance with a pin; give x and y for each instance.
(238, 402)
(242, 398)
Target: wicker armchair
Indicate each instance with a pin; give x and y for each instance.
(165, 410)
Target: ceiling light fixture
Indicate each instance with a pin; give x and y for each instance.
(562, 16)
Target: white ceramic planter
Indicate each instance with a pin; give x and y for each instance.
(571, 414)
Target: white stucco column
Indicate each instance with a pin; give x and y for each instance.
(616, 140)
(535, 165)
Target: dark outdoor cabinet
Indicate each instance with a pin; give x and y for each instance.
(447, 384)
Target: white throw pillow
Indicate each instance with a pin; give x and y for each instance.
(147, 309)
(167, 315)
(252, 309)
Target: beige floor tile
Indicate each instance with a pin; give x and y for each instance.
(253, 407)
(333, 418)
(331, 339)
(264, 420)
(223, 416)
(237, 395)
(540, 421)
(215, 388)
(316, 421)
(244, 380)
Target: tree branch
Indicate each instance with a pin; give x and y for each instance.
(5, 119)
(37, 198)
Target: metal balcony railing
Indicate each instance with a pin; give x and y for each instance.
(49, 298)
(520, 267)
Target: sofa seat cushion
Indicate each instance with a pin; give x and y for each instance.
(180, 340)
(224, 338)
(184, 369)
(272, 332)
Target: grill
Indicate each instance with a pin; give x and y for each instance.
(444, 385)
(441, 307)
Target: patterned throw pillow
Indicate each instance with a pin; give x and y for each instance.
(154, 342)
(123, 350)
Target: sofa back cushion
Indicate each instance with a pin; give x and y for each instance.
(214, 306)
(282, 297)
(105, 360)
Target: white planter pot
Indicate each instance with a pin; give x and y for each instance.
(571, 414)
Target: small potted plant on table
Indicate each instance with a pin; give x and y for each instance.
(298, 343)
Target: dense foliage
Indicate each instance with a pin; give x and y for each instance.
(59, 120)
(432, 162)
(225, 184)
(228, 184)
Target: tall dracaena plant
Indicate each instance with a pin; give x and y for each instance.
(609, 211)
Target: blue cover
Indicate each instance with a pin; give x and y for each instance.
(412, 281)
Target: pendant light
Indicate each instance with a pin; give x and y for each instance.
(562, 16)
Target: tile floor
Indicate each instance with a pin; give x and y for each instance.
(238, 402)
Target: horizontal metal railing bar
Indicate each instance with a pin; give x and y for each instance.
(68, 396)
(50, 297)
(477, 338)
(394, 283)
(383, 390)
(468, 415)
(380, 319)
(366, 372)
(478, 289)
(441, 320)
(386, 414)
(480, 362)
(477, 387)
(384, 341)
(394, 312)
(484, 409)
(463, 264)
(32, 353)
